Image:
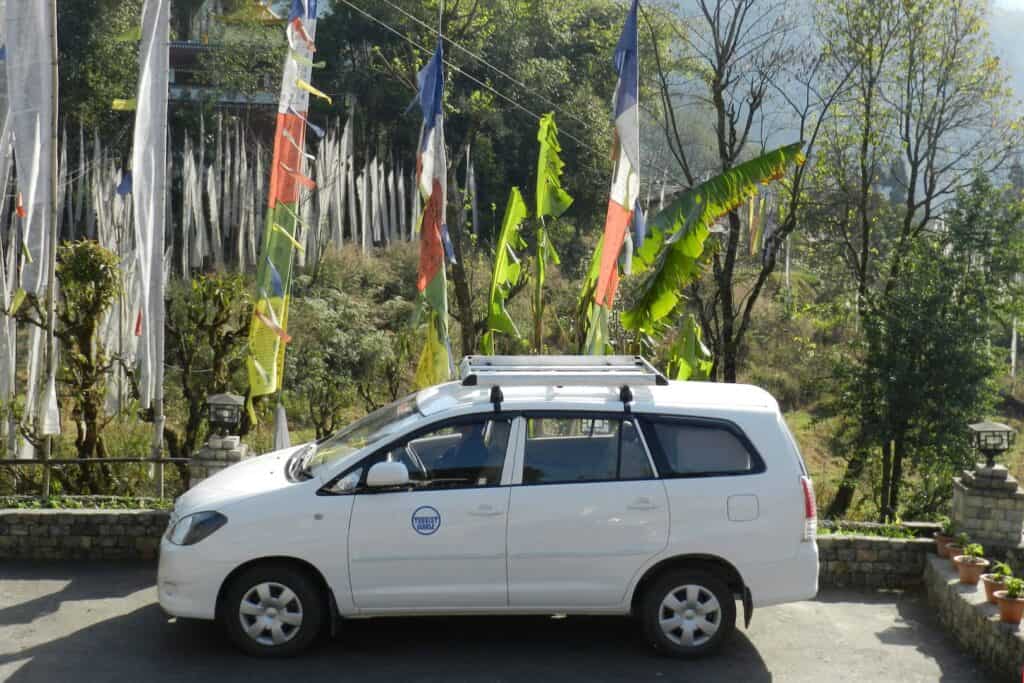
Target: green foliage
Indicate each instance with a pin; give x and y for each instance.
(974, 551)
(90, 282)
(688, 357)
(507, 272)
(962, 539)
(207, 326)
(949, 527)
(1001, 570)
(670, 257)
(353, 350)
(86, 502)
(95, 65)
(1014, 588)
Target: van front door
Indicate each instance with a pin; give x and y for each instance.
(439, 544)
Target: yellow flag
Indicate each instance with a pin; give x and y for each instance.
(313, 91)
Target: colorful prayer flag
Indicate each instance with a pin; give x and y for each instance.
(626, 177)
(431, 167)
(268, 329)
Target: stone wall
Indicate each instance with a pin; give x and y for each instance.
(81, 534)
(974, 622)
(872, 561)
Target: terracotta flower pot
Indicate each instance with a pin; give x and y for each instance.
(992, 584)
(942, 544)
(970, 568)
(1010, 609)
(952, 550)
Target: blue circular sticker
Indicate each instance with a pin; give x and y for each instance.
(426, 520)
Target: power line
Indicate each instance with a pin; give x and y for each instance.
(488, 64)
(456, 68)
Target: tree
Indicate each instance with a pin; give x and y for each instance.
(926, 92)
(207, 325)
(923, 368)
(90, 282)
(745, 56)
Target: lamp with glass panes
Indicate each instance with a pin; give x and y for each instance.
(991, 439)
(224, 413)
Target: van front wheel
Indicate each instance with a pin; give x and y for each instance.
(688, 613)
(272, 611)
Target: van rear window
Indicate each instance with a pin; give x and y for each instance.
(700, 448)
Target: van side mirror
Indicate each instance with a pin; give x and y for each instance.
(387, 474)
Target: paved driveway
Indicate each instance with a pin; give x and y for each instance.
(100, 622)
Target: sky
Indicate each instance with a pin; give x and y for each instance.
(1006, 27)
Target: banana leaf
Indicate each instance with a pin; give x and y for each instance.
(689, 358)
(552, 200)
(669, 259)
(507, 271)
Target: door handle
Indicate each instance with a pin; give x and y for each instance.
(642, 504)
(486, 511)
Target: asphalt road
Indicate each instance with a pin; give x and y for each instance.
(100, 622)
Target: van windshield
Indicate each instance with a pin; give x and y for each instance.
(379, 424)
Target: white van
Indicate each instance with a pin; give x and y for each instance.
(536, 485)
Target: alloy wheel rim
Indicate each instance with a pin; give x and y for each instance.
(689, 615)
(270, 613)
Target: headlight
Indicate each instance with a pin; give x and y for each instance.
(196, 527)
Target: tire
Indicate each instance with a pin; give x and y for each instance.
(688, 613)
(286, 601)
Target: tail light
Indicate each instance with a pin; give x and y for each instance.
(810, 510)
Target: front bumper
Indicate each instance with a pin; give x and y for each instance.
(188, 583)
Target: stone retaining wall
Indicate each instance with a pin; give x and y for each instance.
(974, 622)
(81, 534)
(872, 561)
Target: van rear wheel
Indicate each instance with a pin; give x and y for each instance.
(272, 610)
(688, 613)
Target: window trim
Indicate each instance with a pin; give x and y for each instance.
(583, 415)
(648, 420)
(467, 418)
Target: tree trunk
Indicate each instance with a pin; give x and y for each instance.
(897, 475)
(847, 487)
(883, 508)
(460, 278)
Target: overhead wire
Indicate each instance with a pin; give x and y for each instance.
(489, 65)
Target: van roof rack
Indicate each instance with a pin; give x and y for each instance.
(558, 371)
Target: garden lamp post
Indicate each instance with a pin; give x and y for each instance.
(991, 439)
(225, 413)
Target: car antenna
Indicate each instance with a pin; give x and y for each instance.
(497, 397)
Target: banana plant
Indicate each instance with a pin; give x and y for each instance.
(689, 358)
(507, 272)
(670, 258)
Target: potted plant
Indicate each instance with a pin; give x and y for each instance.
(972, 564)
(1011, 601)
(957, 546)
(944, 536)
(995, 580)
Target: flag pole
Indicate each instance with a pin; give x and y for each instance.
(51, 286)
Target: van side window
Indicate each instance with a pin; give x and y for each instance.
(700, 448)
(463, 453)
(562, 450)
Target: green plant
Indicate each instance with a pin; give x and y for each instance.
(962, 539)
(1014, 588)
(949, 527)
(1002, 570)
(974, 551)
